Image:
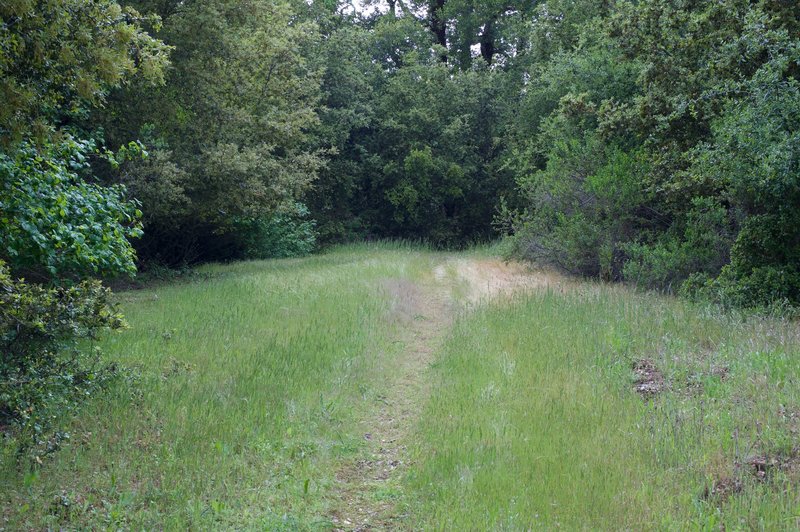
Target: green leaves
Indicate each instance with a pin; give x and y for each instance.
(229, 133)
(53, 220)
(57, 58)
(663, 147)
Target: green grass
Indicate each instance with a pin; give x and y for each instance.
(534, 422)
(248, 385)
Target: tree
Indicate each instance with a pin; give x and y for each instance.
(494, 27)
(654, 150)
(59, 58)
(229, 131)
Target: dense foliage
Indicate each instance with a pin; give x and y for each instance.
(47, 370)
(55, 220)
(653, 142)
(58, 57)
(58, 226)
(228, 133)
(675, 164)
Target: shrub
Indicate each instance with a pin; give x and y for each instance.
(703, 247)
(60, 227)
(46, 369)
(585, 205)
(287, 233)
(55, 221)
(677, 164)
(755, 158)
(764, 287)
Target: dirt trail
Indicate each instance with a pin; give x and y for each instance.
(369, 487)
(488, 279)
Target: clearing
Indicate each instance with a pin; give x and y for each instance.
(389, 387)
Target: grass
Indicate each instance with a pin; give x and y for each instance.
(247, 389)
(534, 421)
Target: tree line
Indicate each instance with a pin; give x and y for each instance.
(652, 142)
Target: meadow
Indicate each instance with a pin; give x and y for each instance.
(262, 396)
(593, 407)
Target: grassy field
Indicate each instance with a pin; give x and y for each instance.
(535, 420)
(246, 391)
(572, 405)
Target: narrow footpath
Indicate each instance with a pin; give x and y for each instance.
(369, 486)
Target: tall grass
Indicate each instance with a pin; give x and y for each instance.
(246, 389)
(534, 422)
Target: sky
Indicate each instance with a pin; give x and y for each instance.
(359, 5)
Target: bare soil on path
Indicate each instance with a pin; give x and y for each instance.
(369, 487)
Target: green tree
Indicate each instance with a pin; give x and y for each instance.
(417, 145)
(58, 58)
(229, 131)
(659, 148)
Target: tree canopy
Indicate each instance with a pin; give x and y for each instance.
(651, 142)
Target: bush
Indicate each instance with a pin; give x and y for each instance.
(585, 205)
(703, 248)
(674, 165)
(754, 157)
(761, 288)
(55, 222)
(287, 233)
(46, 369)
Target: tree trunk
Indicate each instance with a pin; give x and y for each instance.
(438, 24)
(487, 42)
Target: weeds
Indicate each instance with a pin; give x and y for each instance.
(577, 406)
